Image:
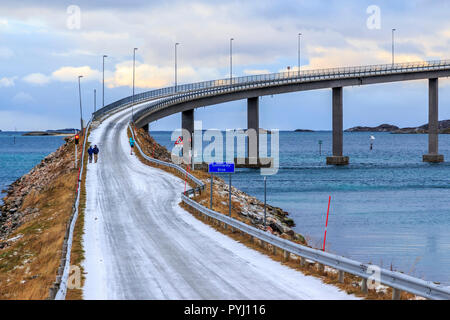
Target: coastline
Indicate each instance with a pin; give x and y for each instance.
(33, 221)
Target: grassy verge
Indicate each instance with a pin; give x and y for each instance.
(77, 252)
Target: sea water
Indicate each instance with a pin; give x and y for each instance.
(19, 154)
(387, 207)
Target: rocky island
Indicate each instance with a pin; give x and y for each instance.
(380, 128)
(444, 128)
(303, 130)
(60, 132)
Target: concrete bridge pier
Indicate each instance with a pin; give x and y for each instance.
(338, 132)
(187, 124)
(253, 130)
(433, 123)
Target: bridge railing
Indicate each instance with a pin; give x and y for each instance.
(277, 78)
(368, 272)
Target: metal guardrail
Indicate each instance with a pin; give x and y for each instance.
(59, 289)
(256, 81)
(397, 280)
(426, 289)
(278, 79)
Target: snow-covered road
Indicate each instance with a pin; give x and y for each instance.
(139, 244)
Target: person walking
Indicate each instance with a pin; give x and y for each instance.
(131, 145)
(90, 152)
(95, 151)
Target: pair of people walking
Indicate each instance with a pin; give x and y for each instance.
(93, 152)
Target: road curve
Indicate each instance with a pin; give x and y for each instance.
(139, 244)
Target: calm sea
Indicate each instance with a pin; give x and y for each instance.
(387, 207)
(19, 154)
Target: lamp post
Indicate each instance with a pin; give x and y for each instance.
(176, 45)
(81, 109)
(103, 102)
(134, 67)
(231, 61)
(393, 30)
(299, 52)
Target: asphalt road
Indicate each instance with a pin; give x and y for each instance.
(139, 244)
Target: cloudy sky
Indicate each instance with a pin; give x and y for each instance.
(44, 47)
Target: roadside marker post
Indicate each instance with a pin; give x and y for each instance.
(326, 224)
(221, 168)
(265, 217)
(229, 198)
(211, 192)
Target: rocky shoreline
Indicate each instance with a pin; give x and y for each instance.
(250, 208)
(12, 213)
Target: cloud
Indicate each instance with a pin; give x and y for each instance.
(151, 76)
(70, 74)
(37, 79)
(7, 82)
(253, 72)
(22, 98)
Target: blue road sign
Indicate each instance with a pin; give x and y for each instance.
(221, 168)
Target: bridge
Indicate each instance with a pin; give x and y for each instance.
(140, 244)
(186, 98)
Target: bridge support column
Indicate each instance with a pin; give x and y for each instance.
(433, 123)
(338, 133)
(187, 124)
(253, 130)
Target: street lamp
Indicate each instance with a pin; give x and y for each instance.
(134, 66)
(299, 39)
(176, 44)
(393, 30)
(231, 61)
(81, 109)
(95, 100)
(104, 56)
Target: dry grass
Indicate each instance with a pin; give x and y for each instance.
(77, 252)
(28, 267)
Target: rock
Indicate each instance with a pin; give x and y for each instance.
(380, 128)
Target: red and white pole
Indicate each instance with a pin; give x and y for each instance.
(326, 224)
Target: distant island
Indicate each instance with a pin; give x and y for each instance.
(59, 132)
(444, 128)
(380, 128)
(303, 130)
